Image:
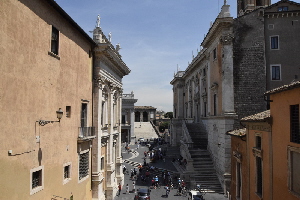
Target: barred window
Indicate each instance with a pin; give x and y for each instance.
(36, 179)
(294, 120)
(67, 171)
(83, 165)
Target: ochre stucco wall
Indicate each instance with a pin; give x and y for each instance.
(32, 87)
(280, 111)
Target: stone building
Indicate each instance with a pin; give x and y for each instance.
(204, 93)
(128, 102)
(109, 69)
(144, 113)
(240, 60)
(46, 72)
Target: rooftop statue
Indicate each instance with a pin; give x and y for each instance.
(118, 47)
(98, 21)
(109, 37)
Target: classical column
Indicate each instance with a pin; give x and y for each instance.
(110, 167)
(119, 174)
(132, 123)
(97, 175)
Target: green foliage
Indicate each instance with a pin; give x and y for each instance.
(169, 115)
(163, 126)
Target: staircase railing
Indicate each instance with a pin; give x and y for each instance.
(185, 144)
(186, 135)
(153, 126)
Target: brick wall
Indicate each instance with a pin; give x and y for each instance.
(249, 65)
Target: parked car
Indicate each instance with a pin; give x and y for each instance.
(142, 194)
(141, 139)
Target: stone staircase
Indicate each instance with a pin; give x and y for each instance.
(144, 130)
(204, 171)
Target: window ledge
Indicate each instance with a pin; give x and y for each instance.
(35, 190)
(66, 180)
(83, 179)
(53, 55)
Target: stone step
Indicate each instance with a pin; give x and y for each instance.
(204, 171)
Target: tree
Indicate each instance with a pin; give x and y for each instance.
(163, 126)
(169, 115)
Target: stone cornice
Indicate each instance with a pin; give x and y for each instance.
(201, 56)
(215, 29)
(106, 79)
(112, 58)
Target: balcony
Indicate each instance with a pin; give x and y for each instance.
(86, 133)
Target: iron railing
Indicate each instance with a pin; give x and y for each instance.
(86, 132)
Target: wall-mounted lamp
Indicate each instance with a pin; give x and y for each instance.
(59, 114)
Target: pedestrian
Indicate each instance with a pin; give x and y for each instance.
(133, 186)
(167, 191)
(120, 188)
(127, 188)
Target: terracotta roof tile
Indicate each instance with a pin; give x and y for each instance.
(237, 132)
(258, 117)
(284, 88)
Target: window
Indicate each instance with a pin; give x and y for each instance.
(283, 8)
(68, 111)
(205, 110)
(66, 173)
(83, 115)
(258, 142)
(83, 165)
(259, 176)
(294, 172)
(123, 119)
(259, 3)
(271, 26)
(294, 121)
(274, 42)
(54, 40)
(102, 163)
(238, 180)
(215, 104)
(275, 72)
(36, 180)
(214, 53)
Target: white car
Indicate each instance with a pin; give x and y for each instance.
(141, 139)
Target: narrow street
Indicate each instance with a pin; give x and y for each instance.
(131, 161)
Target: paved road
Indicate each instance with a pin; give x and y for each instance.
(131, 160)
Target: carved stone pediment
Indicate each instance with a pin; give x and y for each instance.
(226, 39)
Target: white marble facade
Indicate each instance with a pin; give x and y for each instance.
(109, 70)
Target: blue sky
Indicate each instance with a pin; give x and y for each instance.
(155, 37)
